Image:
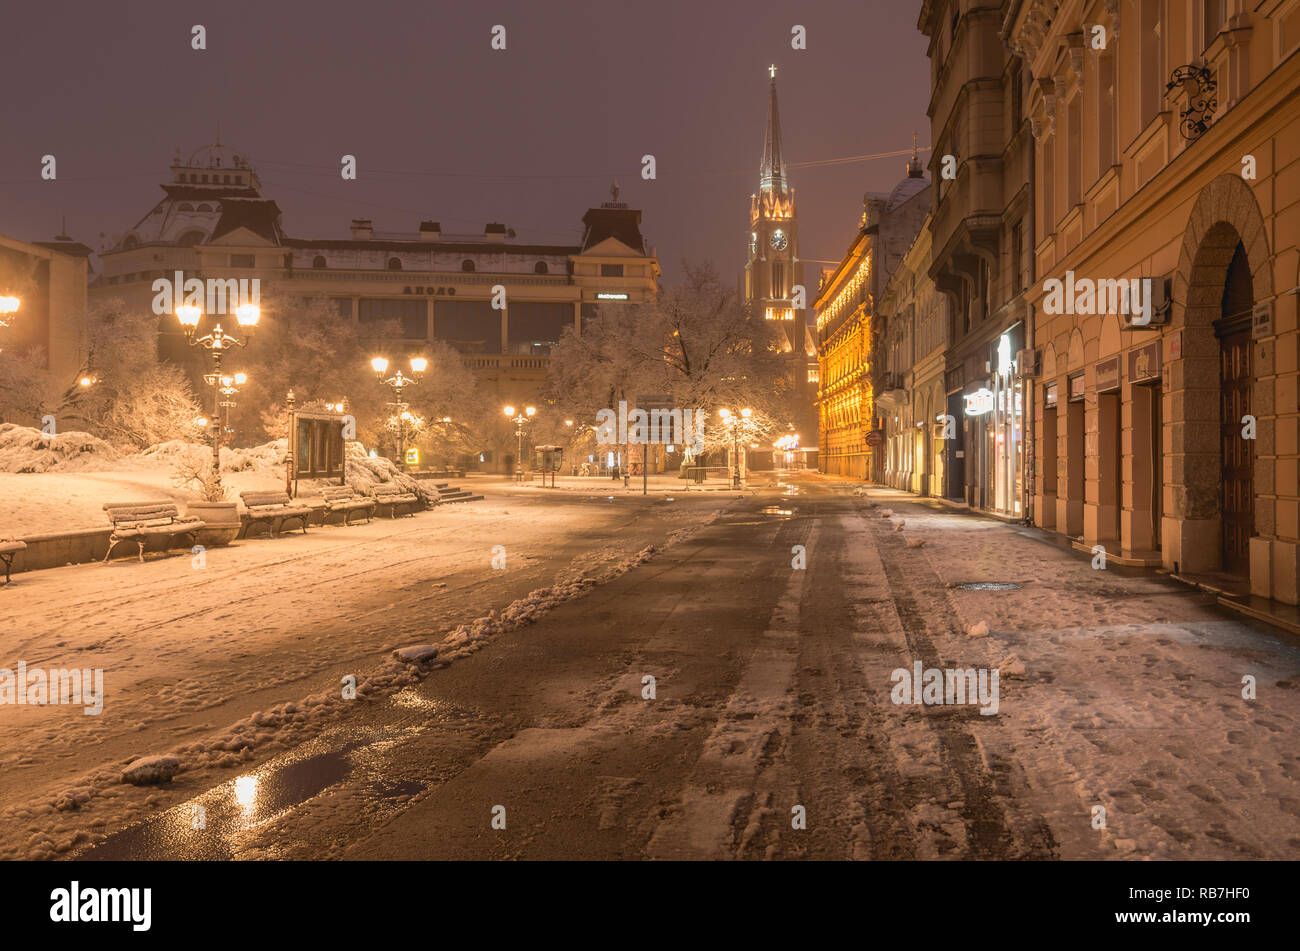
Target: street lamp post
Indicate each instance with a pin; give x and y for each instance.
(524, 416)
(734, 424)
(217, 343)
(227, 387)
(399, 381)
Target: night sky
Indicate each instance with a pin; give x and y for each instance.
(446, 128)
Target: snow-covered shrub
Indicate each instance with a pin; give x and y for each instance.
(192, 469)
(24, 449)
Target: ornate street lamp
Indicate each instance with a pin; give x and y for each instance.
(523, 417)
(217, 343)
(399, 381)
(735, 423)
(227, 386)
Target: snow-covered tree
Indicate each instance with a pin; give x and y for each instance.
(696, 343)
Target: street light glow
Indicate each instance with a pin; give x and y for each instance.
(188, 315)
(9, 304)
(510, 411)
(418, 364)
(379, 365)
(531, 410)
(248, 315)
(241, 379)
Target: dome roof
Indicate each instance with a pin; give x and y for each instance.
(904, 190)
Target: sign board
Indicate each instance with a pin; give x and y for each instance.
(1144, 363)
(548, 458)
(1176, 345)
(1262, 321)
(1076, 388)
(412, 456)
(654, 401)
(979, 402)
(1049, 394)
(875, 438)
(318, 446)
(1108, 375)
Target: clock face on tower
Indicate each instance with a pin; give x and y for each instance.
(779, 240)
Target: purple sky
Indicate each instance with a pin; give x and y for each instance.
(583, 90)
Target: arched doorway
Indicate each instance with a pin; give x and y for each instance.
(1223, 270)
(1236, 380)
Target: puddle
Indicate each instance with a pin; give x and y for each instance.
(988, 586)
(775, 511)
(207, 826)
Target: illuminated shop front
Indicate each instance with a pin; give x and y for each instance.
(994, 408)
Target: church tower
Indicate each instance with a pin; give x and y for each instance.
(771, 270)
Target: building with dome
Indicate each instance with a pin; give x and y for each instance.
(862, 369)
(214, 222)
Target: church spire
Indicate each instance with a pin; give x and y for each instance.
(772, 169)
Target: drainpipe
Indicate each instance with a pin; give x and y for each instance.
(1028, 469)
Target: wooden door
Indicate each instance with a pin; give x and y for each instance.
(1237, 491)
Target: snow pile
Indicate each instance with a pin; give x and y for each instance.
(24, 449)
(365, 471)
(978, 630)
(256, 459)
(420, 654)
(150, 770)
(916, 543)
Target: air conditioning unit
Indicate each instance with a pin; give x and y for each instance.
(1029, 363)
(1160, 307)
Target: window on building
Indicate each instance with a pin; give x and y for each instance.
(1215, 14)
(318, 261)
(1048, 164)
(1017, 97)
(129, 242)
(540, 268)
(394, 264)
(241, 260)
(611, 270)
(342, 306)
(190, 238)
(185, 206)
(384, 316)
(204, 207)
(1074, 152)
(471, 326)
(1150, 71)
(467, 265)
(1017, 255)
(1105, 111)
(534, 327)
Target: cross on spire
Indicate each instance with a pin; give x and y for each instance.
(771, 71)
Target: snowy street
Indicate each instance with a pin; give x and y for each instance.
(770, 729)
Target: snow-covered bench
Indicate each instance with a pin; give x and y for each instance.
(344, 498)
(272, 509)
(8, 548)
(140, 521)
(393, 495)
